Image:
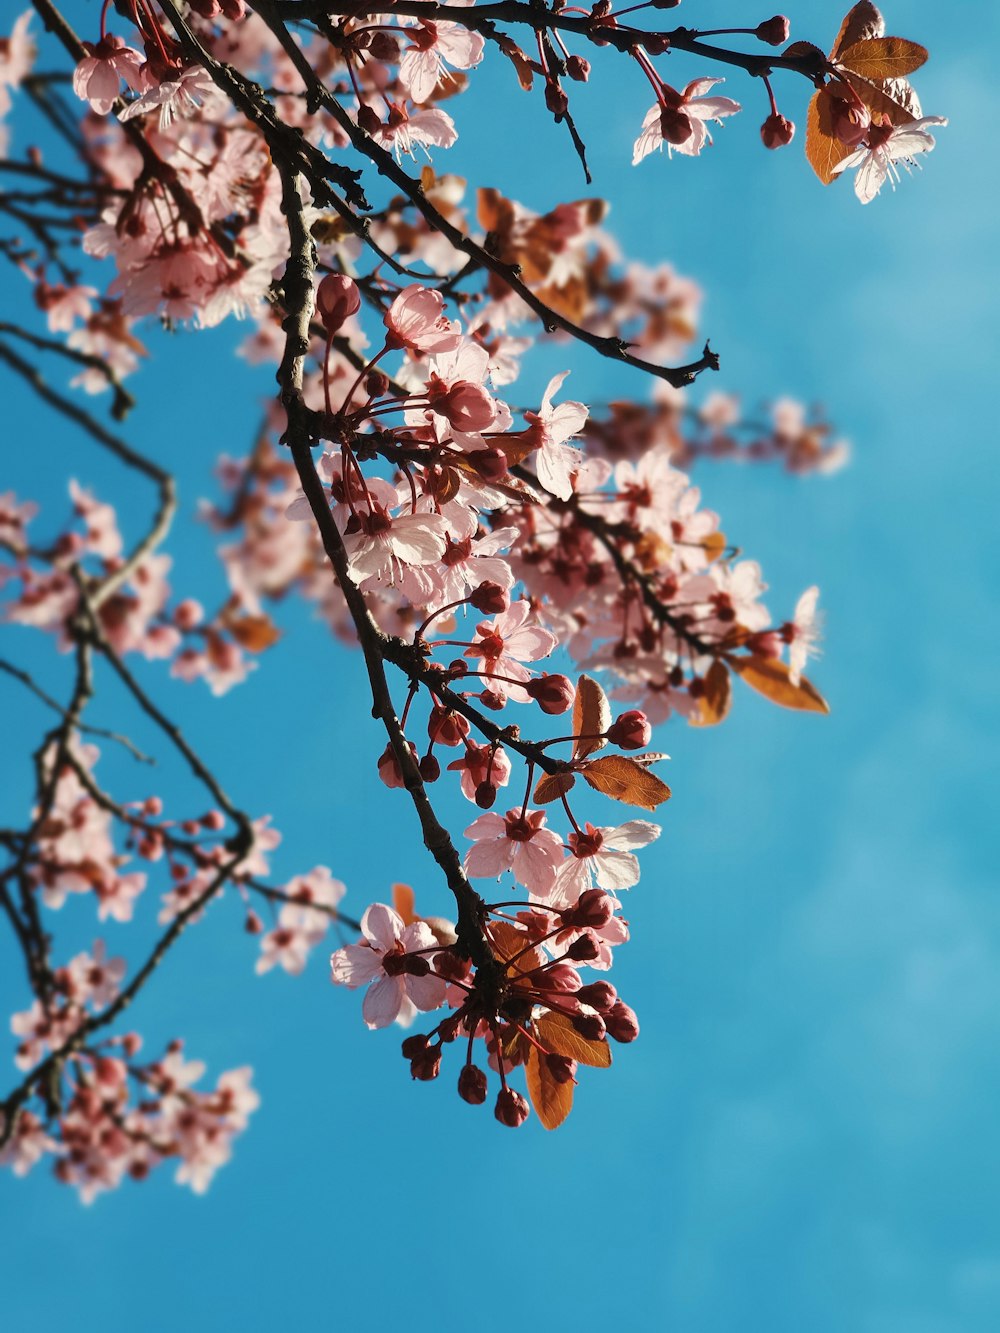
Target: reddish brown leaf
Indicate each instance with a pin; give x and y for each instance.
(625, 780)
(893, 99)
(883, 58)
(713, 705)
(591, 717)
(823, 149)
(770, 677)
(557, 1033)
(519, 60)
(254, 633)
(552, 1101)
(862, 23)
(552, 786)
(404, 902)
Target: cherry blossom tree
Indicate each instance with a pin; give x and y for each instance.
(531, 585)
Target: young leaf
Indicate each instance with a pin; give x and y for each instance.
(552, 1101)
(769, 677)
(861, 24)
(714, 703)
(894, 98)
(883, 58)
(823, 149)
(551, 786)
(557, 1033)
(625, 780)
(254, 633)
(591, 716)
(404, 903)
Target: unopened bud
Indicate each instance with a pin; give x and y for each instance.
(486, 795)
(599, 995)
(622, 1023)
(376, 384)
(585, 948)
(415, 1045)
(472, 1085)
(591, 1026)
(337, 298)
(491, 464)
(555, 99)
(774, 31)
(593, 908)
(490, 598)
(492, 699)
(777, 131)
(430, 769)
(253, 924)
(630, 731)
(577, 68)
(385, 47)
(511, 1108)
(675, 125)
(368, 118)
(553, 693)
(561, 1067)
(426, 1065)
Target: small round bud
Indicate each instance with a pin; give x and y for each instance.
(777, 131)
(553, 693)
(630, 731)
(561, 1067)
(774, 31)
(426, 1065)
(622, 1023)
(458, 667)
(253, 924)
(188, 614)
(415, 1045)
(337, 298)
(585, 948)
(486, 795)
(511, 1108)
(213, 820)
(491, 464)
(385, 47)
(368, 117)
(490, 598)
(376, 384)
(555, 99)
(599, 995)
(675, 125)
(472, 1085)
(591, 1026)
(593, 908)
(430, 769)
(577, 68)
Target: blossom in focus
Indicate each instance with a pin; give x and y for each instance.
(679, 120)
(391, 961)
(99, 74)
(887, 145)
(415, 320)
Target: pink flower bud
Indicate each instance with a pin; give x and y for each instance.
(561, 1067)
(599, 995)
(777, 131)
(553, 693)
(376, 384)
(577, 68)
(426, 1065)
(445, 727)
(591, 1026)
(774, 31)
(466, 406)
(556, 977)
(337, 298)
(585, 948)
(555, 99)
(188, 614)
(415, 1045)
(622, 1023)
(430, 769)
(486, 795)
(490, 598)
(253, 924)
(594, 908)
(472, 1084)
(630, 731)
(491, 464)
(511, 1108)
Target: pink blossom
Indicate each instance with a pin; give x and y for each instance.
(802, 633)
(679, 120)
(602, 856)
(392, 961)
(404, 129)
(423, 63)
(506, 641)
(556, 461)
(515, 842)
(97, 77)
(415, 320)
(180, 96)
(888, 145)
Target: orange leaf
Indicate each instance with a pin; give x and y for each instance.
(861, 24)
(625, 780)
(883, 58)
(254, 633)
(714, 703)
(591, 716)
(552, 1101)
(823, 149)
(519, 60)
(894, 99)
(557, 1033)
(404, 902)
(769, 677)
(551, 787)
(714, 545)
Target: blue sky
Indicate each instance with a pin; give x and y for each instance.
(804, 1135)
